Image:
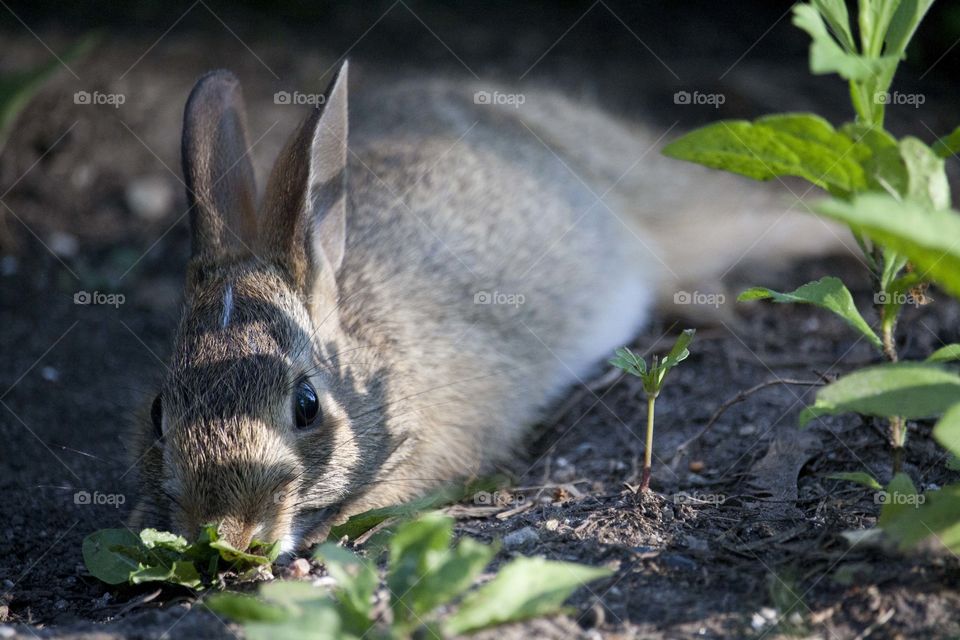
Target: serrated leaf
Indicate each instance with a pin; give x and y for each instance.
(102, 558)
(860, 477)
(926, 175)
(802, 145)
(630, 362)
(524, 588)
(909, 389)
(949, 353)
(930, 239)
(181, 572)
(827, 293)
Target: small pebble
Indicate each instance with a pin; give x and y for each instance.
(149, 198)
(60, 604)
(696, 466)
(520, 537)
(63, 244)
(551, 525)
(747, 429)
(8, 583)
(299, 568)
(49, 374)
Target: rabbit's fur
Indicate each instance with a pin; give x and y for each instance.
(439, 284)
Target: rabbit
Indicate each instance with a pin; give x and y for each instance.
(396, 311)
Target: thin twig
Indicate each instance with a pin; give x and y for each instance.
(739, 397)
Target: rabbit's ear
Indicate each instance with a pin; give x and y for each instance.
(303, 221)
(220, 184)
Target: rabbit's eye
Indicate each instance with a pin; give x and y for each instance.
(156, 415)
(306, 407)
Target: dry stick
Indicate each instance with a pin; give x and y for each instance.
(740, 397)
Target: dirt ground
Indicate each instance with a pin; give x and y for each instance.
(742, 537)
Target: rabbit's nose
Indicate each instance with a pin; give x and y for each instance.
(238, 533)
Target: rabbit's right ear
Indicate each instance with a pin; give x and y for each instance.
(303, 216)
(220, 184)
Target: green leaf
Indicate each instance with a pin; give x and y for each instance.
(182, 572)
(415, 550)
(909, 389)
(949, 353)
(827, 56)
(900, 496)
(356, 582)
(835, 13)
(524, 588)
(885, 169)
(904, 23)
(242, 558)
(930, 239)
(927, 177)
(803, 145)
(949, 146)
(679, 352)
(319, 621)
(151, 538)
(102, 558)
(827, 293)
(947, 431)
(935, 516)
(245, 608)
(860, 477)
(630, 362)
(874, 18)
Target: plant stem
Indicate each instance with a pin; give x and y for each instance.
(648, 451)
(898, 430)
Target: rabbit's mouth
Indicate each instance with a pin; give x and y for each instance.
(310, 526)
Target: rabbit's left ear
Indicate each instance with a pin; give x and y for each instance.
(303, 218)
(220, 185)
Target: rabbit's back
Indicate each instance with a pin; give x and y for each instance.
(484, 258)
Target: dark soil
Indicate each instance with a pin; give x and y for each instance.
(740, 538)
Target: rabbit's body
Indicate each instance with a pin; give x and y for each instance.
(391, 318)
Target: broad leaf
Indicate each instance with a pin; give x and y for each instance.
(900, 495)
(935, 518)
(356, 582)
(904, 24)
(827, 293)
(947, 431)
(802, 145)
(417, 548)
(885, 169)
(102, 558)
(525, 588)
(949, 353)
(243, 608)
(908, 389)
(679, 352)
(181, 572)
(927, 178)
(930, 239)
(948, 146)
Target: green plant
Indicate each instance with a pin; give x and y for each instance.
(426, 579)
(652, 379)
(872, 177)
(118, 556)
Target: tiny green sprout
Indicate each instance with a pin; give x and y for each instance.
(652, 379)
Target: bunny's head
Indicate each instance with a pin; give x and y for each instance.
(257, 427)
